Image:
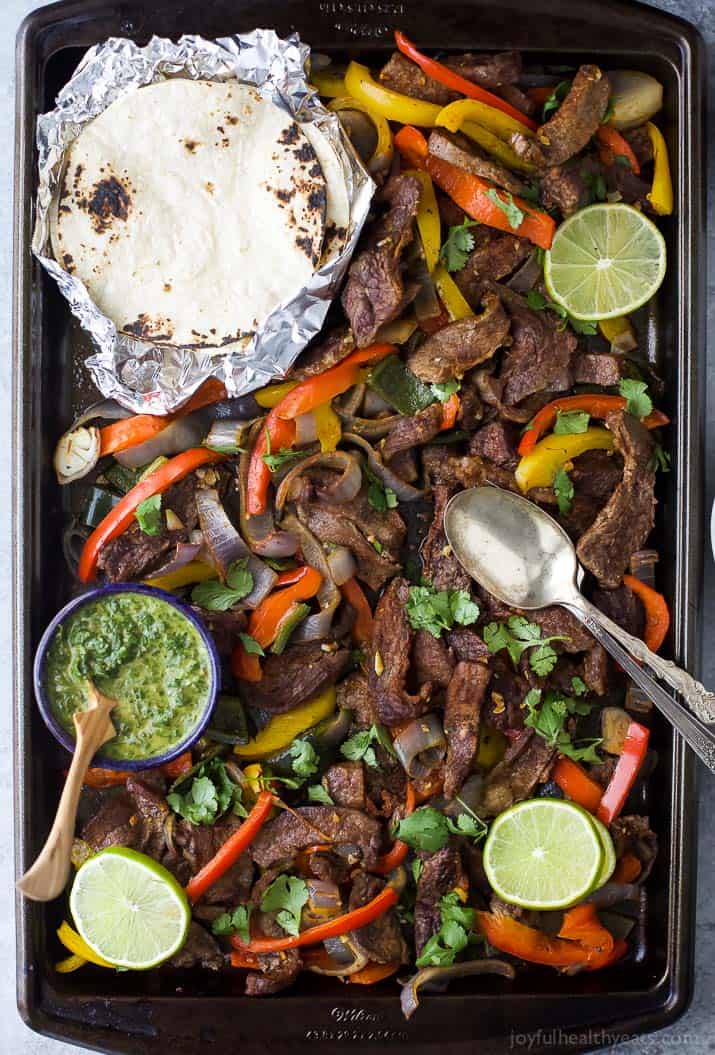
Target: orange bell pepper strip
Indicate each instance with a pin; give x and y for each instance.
(359, 917)
(178, 766)
(627, 869)
(118, 519)
(353, 593)
(394, 857)
(635, 748)
(280, 422)
(473, 194)
(373, 973)
(246, 960)
(582, 940)
(657, 616)
(232, 849)
(450, 410)
(130, 432)
(577, 785)
(612, 144)
(299, 584)
(597, 406)
(96, 777)
(438, 72)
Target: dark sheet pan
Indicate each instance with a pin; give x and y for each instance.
(146, 1014)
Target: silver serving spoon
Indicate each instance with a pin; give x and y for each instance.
(521, 555)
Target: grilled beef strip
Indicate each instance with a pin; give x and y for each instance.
(633, 834)
(297, 674)
(324, 354)
(459, 151)
(431, 660)
(489, 71)
(461, 345)
(199, 950)
(570, 187)
(410, 432)
(539, 359)
(462, 713)
(278, 970)
(526, 763)
(402, 75)
(353, 834)
(603, 369)
(627, 519)
(389, 660)
(382, 939)
(439, 564)
(353, 693)
(441, 873)
(496, 254)
(623, 607)
(375, 292)
(345, 783)
(573, 124)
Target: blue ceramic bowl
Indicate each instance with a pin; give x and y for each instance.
(43, 700)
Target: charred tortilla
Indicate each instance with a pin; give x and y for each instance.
(191, 210)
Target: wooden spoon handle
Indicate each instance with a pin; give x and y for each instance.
(47, 877)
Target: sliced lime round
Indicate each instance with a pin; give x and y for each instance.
(129, 909)
(605, 260)
(609, 853)
(543, 854)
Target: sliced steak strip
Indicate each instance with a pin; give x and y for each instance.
(374, 292)
(320, 357)
(495, 255)
(413, 431)
(539, 359)
(352, 833)
(640, 143)
(573, 124)
(468, 645)
(633, 834)
(497, 442)
(404, 76)
(625, 522)
(345, 783)
(439, 564)
(441, 873)
(489, 71)
(462, 711)
(278, 970)
(344, 525)
(458, 150)
(594, 369)
(569, 187)
(353, 694)
(526, 763)
(199, 950)
(382, 939)
(389, 659)
(299, 673)
(431, 660)
(460, 345)
(623, 607)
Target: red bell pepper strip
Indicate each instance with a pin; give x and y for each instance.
(246, 960)
(612, 144)
(359, 917)
(130, 432)
(582, 941)
(597, 406)
(280, 423)
(540, 93)
(474, 195)
(118, 519)
(95, 777)
(450, 410)
(364, 623)
(373, 973)
(657, 616)
(635, 747)
(178, 766)
(394, 858)
(438, 72)
(232, 849)
(627, 869)
(299, 584)
(577, 785)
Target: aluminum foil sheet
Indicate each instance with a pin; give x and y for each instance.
(158, 378)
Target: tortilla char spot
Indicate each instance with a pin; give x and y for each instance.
(167, 287)
(290, 135)
(191, 145)
(209, 186)
(306, 245)
(231, 119)
(147, 327)
(317, 199)
(221, 129)
(284, 195)
(110, 201)
(305, 153)
(315, 171)
(225, 142)
(68, 260)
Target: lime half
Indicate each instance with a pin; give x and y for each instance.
(609, 853)
(605, 260)
(543, 854)
(129, 909)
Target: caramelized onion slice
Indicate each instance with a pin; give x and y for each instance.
(404, 491)
(421, 745)
(442, 976)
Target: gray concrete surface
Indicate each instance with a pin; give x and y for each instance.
(695, 1032)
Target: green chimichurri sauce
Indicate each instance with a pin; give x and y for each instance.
(143, 653)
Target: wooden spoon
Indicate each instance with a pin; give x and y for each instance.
(47, 877)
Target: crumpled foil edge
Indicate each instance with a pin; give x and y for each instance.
(148, 378)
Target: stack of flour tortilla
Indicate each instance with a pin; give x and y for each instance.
(192, 209)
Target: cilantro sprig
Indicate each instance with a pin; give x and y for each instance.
(148, 515)
(564, 491)
(379, 495)
(276, 460)
(547, 716)
(504, 200)
(235, 922)
(516, 636)
(217, 597)
(428, 829)
(454, 934)
(538, 302)
(635, 393)
(569, 422)
(286, 896)
(210, 794)
(553, 102)
(458, 245)
(438, 610)
(359, 746)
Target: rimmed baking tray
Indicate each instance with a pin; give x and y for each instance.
(141, 1014)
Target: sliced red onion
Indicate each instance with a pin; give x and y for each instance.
(352, 400)
(260, 532)
(346, 486)
(184, 553)
(179, 435)
(370, 428)
(226, 546)
(421, 746)
(306, 429)
(324, 900)
(346, 956)
(314, 555)
(316, 627)
(404, 491)
(342, 565)
(527, 275)
(108, 409)
(440, 977)
(226, 435)
(426, 304)
(373, 404)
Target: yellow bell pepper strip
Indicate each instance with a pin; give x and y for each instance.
(594, 403)
(283, 729)
(327, 426)
(470, 112)
(661, 193)
(635, 748)
(539, 468)
(194, 571)
(397, 332)
(451, 295)
(474, 195)
(362, 86)
(77, 945)
(429, 224)
(384, 147)
(453, 80)
(328, 82)
(69, 964)
(618, 326)
(271, 395)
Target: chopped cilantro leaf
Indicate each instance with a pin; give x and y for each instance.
(456, 922)
(425, 829)
(304, 758)
(443, 390)
(548, 719)
(458, 245)
(251, 646)
(557, 96)
(209, 795)
(660, 459)
(438, 610)
(236, 922)
(638, 401)
(286, 896)
(578, 686)
(216, 597)
(317, 793)
(359, 746)
(508, 206)
(379, 495)
(564, 491)
(518, 634)
(148, 515)
(277, 460)
(571, 421)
